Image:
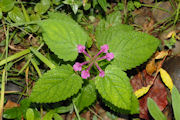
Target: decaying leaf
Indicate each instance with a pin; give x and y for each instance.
(151, 67)
(166, 79)
(157, 92)
(161, 54)
(10, 104)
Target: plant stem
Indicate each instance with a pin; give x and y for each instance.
(36, 67)
(2, 93)
(42, 58)
(177, 14)
(95, 114)
(15, 56)
(76, 111)
(146, 5)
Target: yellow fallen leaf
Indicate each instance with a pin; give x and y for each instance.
(166, 79)
(142, 91)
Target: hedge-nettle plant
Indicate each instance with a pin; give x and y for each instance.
(120, 48)
(93, 61)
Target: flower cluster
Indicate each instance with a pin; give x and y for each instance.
(93, 60)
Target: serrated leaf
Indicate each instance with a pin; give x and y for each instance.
(115, 87)
(86, 96)
(16, 15)
(154, 110)
(166, 79)
(56, 85)
(6, 5)
(130, 48)
(62, 35)
(175, 103)
(113, 19)
(142, 91)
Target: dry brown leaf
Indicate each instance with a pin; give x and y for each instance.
(11, 104)
(151, 67)
(161, 54)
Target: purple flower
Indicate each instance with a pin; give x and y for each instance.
(101, 74)
(77, 66)
(92, 60)
(81, 48)
(104, 48)
(85, 74)
(109, 56)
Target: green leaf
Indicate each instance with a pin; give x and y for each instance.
(134, 105)
(64, 109)
(48, 115)
(42, 7)
(12, 113)
(112, 20)
(115, 87)
(62, 35)
(175, 103)
(30, 114)
(154, 110)
(94, 3)
(137, 4)
(1, 14)
(130, 48)
(86, 96)
(57, 117)
(56, 85)
(17, 112)
(130, 6)
(103, 4)
(6, 5)
(16, 15)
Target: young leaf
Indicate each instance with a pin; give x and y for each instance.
(130, 48)
(30, 114)
(115, 87)
(103, 4)
(166, 79)
(42, 7)
(86, 96)
(155, 111)
(56, 85)
(175, 103)
(16, 15)
(62, 35)
(6, 5)
(49, 115)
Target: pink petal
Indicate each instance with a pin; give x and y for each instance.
(101, 74)
(77, 66)
(105, 48)
(81, 48)
(85, 74)
(109, 56)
